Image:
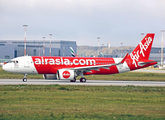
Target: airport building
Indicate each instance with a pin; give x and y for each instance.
(10, 49)
(154, 55)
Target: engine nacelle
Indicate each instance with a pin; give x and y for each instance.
(50, 76)
(64, 74)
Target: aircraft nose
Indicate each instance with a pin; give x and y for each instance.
(5, 67)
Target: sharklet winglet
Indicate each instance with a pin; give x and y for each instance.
(122, 61)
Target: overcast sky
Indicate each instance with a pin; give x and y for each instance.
(114, 21)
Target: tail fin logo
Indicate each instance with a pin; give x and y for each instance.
(72, 52)
(143, 47)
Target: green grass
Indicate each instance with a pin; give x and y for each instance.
(130, 76)
(8, 75)
(81, 102)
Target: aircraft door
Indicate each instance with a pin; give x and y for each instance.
(26, 64)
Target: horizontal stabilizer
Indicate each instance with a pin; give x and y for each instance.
(144, 63)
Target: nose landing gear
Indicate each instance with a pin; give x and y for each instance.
(25, 78)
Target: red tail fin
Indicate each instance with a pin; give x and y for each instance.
(142, 51)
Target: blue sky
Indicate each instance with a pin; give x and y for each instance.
(114, 21)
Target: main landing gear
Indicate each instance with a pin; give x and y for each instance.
(73, 80)
(83, 80)
(25, 78)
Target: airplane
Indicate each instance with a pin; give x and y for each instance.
(102, 55)
(68, 68)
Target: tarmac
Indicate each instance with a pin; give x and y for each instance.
(88, 82)
(150, 70)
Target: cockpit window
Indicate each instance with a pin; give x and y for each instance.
(13, 61)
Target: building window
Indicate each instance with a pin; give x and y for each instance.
(15, 53)
(2, 44)
(59, 53)
(7, 57)
(35, 52)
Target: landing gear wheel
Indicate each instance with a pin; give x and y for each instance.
(82, 80)
(73, 80)
(24, 79)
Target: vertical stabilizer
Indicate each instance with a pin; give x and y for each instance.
(73, 52)
(142, 51)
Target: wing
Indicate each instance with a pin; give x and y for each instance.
(96, 67)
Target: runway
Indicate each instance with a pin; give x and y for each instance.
(88, 82)
(149, 71)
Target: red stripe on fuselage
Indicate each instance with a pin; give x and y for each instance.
(50, 65)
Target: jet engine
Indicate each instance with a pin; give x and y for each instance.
(64, 74)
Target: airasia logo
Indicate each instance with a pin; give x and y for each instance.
(143, 47)
(66, 74)
(63, 61)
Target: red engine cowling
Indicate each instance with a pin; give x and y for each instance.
(64, 74)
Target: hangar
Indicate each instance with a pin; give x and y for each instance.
(155, 53)
(10, 49)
